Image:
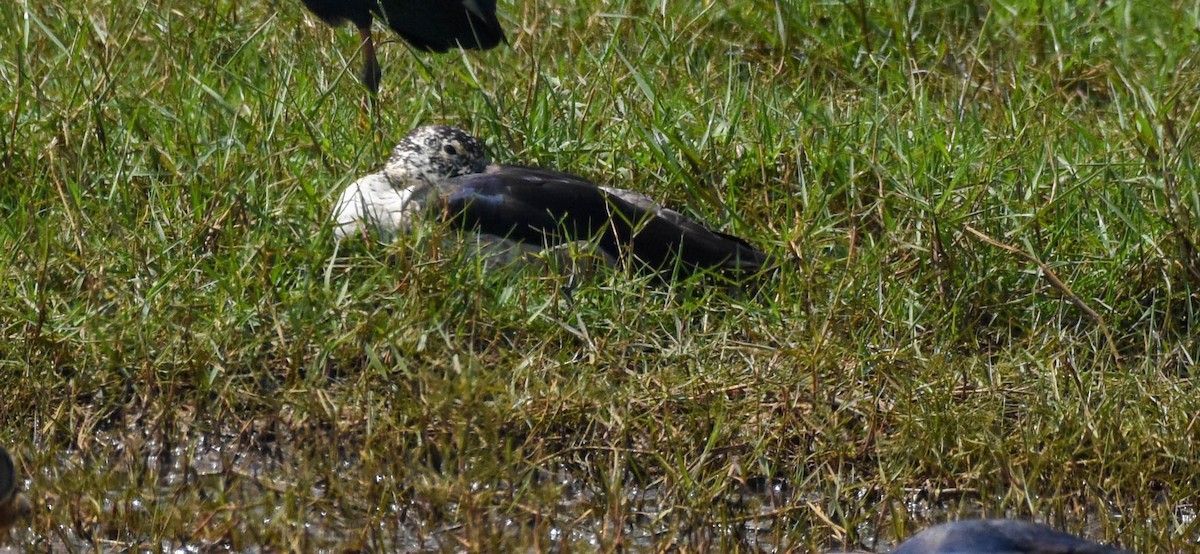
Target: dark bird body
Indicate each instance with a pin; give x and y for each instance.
(13, 505)
(996, 536)
(443, 170)
(547, 207)
(427, 25)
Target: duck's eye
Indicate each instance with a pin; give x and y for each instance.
(449, 149)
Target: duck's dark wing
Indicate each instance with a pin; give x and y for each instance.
(999, 535)
(430, 25)
(334, 12)
(551, 207)
(439, 25)
(13, 505)
(686, 224)
(8, 476)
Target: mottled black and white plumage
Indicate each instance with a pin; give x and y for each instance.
(444, 170)
(428, 25)
(996, 536)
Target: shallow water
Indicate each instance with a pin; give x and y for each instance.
(249, 471)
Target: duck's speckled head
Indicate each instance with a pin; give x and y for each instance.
(435, 153)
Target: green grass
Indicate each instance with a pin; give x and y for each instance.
(987, 212)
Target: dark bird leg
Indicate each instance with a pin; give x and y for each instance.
(371, 74)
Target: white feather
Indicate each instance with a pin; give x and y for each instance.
(372, 203)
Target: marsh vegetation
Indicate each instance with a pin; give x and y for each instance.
(987, 306)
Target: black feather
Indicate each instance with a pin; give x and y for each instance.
(995, 536)
(427, 25)
(548, 207)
